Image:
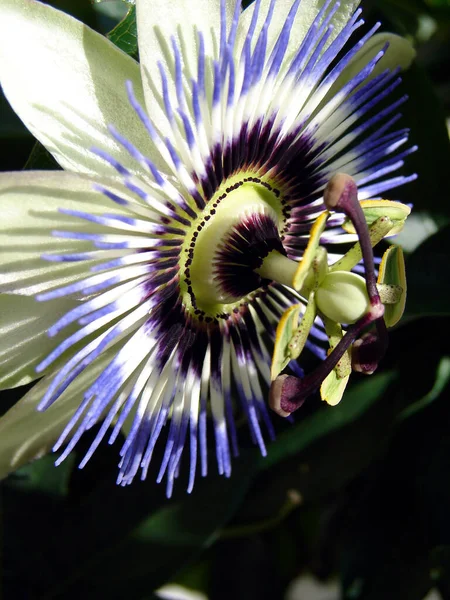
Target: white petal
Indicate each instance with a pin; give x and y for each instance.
(173, 591)
(157, 21)
(307, 586)
(305, 16)
(29, 204)
(23, 336)
(67, 83)
(26, 434)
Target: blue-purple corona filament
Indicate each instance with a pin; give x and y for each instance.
(256, 112)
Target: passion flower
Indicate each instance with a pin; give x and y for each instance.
(162, 258)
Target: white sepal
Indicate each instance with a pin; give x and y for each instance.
(67, 84)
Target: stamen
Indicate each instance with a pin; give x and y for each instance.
(287, 393)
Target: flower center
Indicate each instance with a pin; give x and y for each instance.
(241, 225)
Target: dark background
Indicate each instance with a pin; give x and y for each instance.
(360, 492)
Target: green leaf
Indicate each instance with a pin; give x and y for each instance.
(428, 275)
(111, 9)
(404, 14)
(401, 510)
(440, 566)
(442, 380)
(321, 453)
(356, 401)
(42, 476)
(159, 545)
(124, 35)
(419, 226)
(11, 127)
(40, 159)
(439, 3)
(106, 535)
(425, 116)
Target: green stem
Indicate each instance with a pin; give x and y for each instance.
(293, 500)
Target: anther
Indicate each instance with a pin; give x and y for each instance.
(287, 393)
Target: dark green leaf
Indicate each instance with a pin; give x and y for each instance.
(400, 511)
(428, 277)
(11, 127)
(124, 35)
(355, 402)
(42, 476)
(171, 536)
(40, 159)
(108, 536)
(321, 452)
(404, 14)
(423, 113)
(442, 379)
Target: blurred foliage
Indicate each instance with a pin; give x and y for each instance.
(360, 491)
